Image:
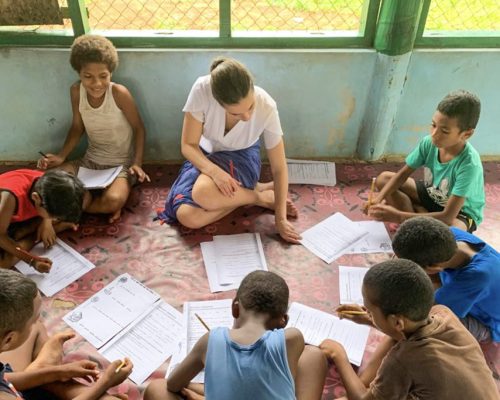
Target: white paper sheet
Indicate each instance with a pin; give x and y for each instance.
(214, 313)
(98, 178)
(110, 310)
(332, 237)
(148, 342)
(317, 325)
(350, 283)
(311, 172)
(208, 253)
(67, 266)
(377, 240)
(238, 255)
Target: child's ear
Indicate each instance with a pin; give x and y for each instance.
(468, 133)
(283, 322)
(7, 341)
(398, 323)
(433, 270)
(36, 199)
(235, 308)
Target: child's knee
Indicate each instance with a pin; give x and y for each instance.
(157, 389)
(115, 200)
(383, 178)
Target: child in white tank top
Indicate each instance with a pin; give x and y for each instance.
(107, 113)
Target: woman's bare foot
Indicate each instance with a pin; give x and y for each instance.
(115, 216)
(261, 186)
(266, 200)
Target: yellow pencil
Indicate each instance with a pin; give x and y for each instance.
(120, 367)
(202, 322)
(370, 195)
(353, 312)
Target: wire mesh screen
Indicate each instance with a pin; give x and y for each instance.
(296, 15)
(463, 15)
(154, 14)
(35, 28)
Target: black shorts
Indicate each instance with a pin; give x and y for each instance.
(432, 206)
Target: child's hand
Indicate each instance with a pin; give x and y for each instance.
(189, 394)
(79, 369)
(46, 233)
(384, 212)
(139, 172)
(42, 264)
(113, 378)
(51, 161)
(359, 314)
(333, 350)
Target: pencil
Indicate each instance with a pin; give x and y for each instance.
(202, 322)
(42, 154)
(352, 312)
(370, 195)
(120, 367)
(28, 254)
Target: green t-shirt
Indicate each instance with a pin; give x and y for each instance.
(462, 176)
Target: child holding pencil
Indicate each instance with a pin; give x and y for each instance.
(427, 354)
(257, 358)
(34, 206)
(106, 111)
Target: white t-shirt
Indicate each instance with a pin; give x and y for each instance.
(264, 121)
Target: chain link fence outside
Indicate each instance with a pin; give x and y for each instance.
(463, 15)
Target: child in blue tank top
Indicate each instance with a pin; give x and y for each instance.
(257, 358)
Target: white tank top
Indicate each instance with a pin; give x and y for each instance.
(109, 133)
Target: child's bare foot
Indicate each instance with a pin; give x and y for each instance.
(52, 352)
(62, 226)
(266, 200)
(115, 216)
(261, 186)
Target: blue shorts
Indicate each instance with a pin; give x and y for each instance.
(244, 165)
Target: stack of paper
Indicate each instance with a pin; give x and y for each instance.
(229, 258)
(127, 319)
(214, 313)
(98, 178)
(67, 266)
(317, 326)
(332, 237)
(311, 172)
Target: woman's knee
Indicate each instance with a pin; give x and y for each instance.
(190, 217)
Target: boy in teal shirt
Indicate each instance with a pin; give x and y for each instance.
(453, 187)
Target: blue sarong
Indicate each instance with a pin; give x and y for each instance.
(244, 166)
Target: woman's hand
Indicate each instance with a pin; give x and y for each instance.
(139, 172)
(50, 161)
(287, 231)
(226, 183)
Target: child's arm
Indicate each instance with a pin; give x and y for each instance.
(294, 348)
(7, 209)
(75, 133)
(394, 184)
(355, 388)
(189, 367)
(125, 102)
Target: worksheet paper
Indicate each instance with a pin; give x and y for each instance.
(317, 326)
(208, 253)
(376, 241)
(111, 310)
(148, 342)
(98, 178)
(214, 313)
(332, 237)
(67, 266)
(236, 256)
(311, 172)
(350, 283)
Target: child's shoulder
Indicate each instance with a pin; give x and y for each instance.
(121, 94)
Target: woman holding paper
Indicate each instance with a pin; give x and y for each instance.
(225, 117)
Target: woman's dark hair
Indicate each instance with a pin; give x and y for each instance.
(230, 81)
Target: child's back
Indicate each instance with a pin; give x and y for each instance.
(441, 360)
(256, 371)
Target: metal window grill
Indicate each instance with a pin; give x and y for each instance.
(66, 26)
(463, 15)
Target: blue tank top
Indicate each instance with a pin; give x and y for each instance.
(248, 372)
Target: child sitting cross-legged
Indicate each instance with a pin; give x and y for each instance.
(31, 363)
(427, 354)
(257, 358)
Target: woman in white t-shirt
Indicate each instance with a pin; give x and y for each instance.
(225, 117)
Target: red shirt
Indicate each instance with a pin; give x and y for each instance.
(19, 183)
